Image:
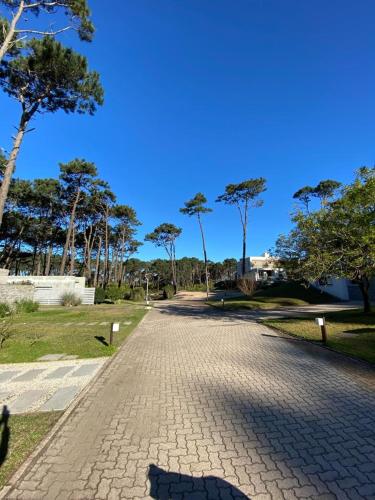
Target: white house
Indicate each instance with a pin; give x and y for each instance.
(344, 289)
(261, 268)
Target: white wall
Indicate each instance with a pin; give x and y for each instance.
(338, 287)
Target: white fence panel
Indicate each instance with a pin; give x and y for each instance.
(47, 296)
(88, 296)
(50, 296)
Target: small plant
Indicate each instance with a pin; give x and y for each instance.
(5, 309)
(168, 292)
(6, 322)
(26, 306)
(247, 286)
(70, 299)
(137, 294)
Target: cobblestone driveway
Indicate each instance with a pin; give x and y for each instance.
(197, 405)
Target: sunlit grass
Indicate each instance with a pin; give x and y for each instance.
(23, 433)
(46, 331)
(350, 332)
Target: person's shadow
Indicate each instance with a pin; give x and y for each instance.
(173, 486)
(5, 434)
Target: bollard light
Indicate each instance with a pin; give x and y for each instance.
(115, 327)
(322, 323)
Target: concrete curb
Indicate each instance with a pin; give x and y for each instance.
(31, 459)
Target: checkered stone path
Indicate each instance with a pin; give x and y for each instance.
(197, 405)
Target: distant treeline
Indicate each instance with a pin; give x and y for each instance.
(73, 225)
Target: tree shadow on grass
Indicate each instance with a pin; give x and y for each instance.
(5, 434)
(172, 486)
(360, 330)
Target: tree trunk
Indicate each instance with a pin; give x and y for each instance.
(122, 258)
(244, 237)
(47, 268)
(38, 268)
(243, 257)
(106, 250)
(86, 253)
(205, 256)
(90, 257)
(97, 263)
(10, 252)
(364, 286)
(11, 163)
(69, 232)
(12, 28)
(174, 268)
(72, 252)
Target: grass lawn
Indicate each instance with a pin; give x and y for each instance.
(46, 331)
(350, 332)
(18, 440)
(284, 294)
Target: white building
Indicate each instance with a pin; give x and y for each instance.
(261, 268)
(344, 289)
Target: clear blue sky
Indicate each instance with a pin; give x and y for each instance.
(202, 93)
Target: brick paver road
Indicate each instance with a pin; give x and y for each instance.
(197, 405)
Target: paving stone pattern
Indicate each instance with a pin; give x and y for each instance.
(197, 406)
(45, 386)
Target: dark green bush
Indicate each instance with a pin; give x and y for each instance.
(26, 306)
(198, 287)
(5, 309)
(226, 285)
(168, 292)
(114, 292)
(99, 295)
(137, 294)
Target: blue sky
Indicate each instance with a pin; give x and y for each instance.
(202, 93)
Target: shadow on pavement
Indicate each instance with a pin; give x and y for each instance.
(5, 434)
(172, 485)
(200, 311)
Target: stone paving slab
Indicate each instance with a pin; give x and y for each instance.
(18, 385)
(60, 399)
(7, 375)
(84, 370)
(28, 375)
(51, 357)
(197, 405)
(25, 400)
(60, 372)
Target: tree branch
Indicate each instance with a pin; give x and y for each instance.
(45, 33)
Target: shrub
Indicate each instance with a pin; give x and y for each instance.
(6, 321)
(99, 295)
(5, 309)
(226, 285)
(198, 287)
(137, 294)
(26, 306)
(168, 292)
(69, 299)
(247, 286)
(115, 293)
